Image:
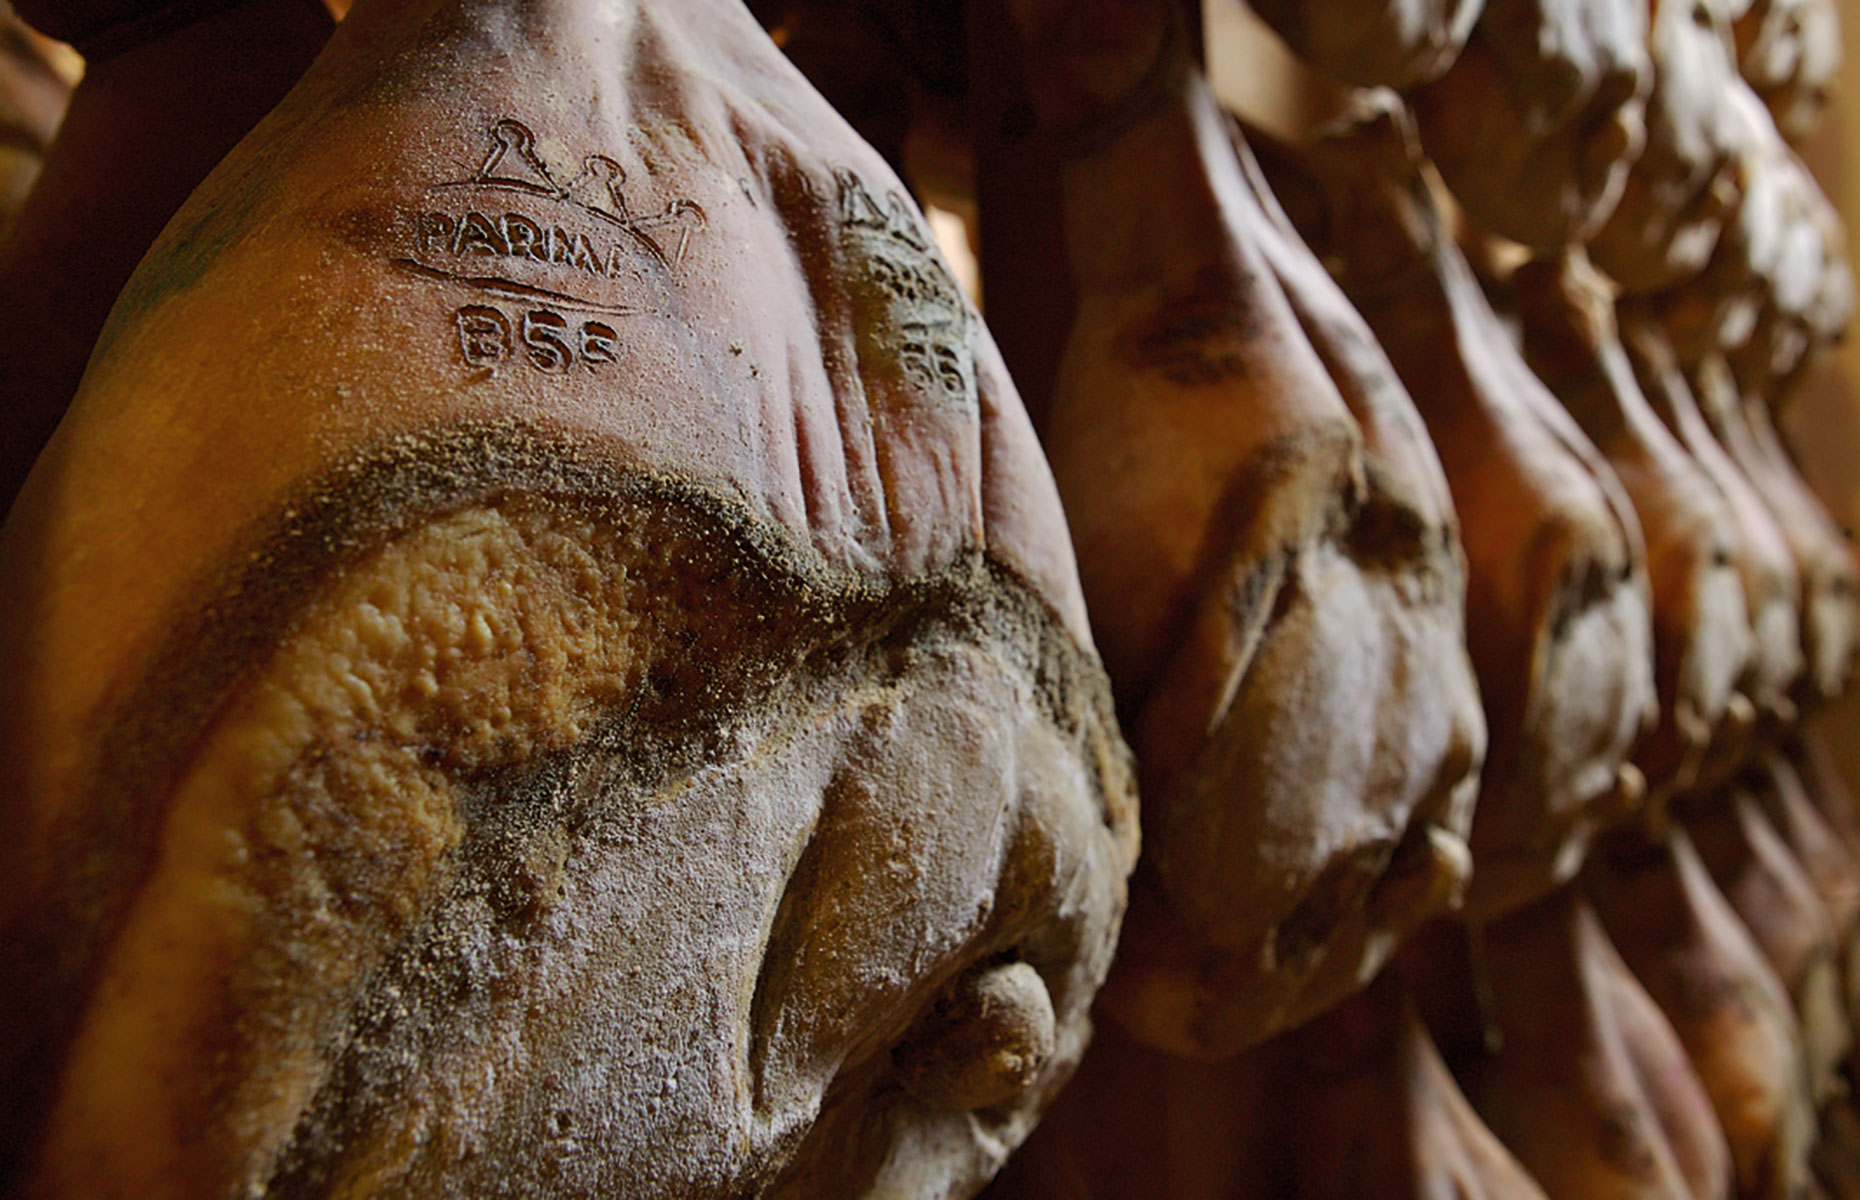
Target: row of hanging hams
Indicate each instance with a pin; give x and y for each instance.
(1641, 991)
(550, 654)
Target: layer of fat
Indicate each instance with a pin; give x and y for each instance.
(477, 640)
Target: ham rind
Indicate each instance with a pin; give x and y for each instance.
(1685, 945)
(1535, 125)
(1772, 581)
(1266, 544)
(1566, 1057)
(545, 660)
(1675, 202)
(166, 89)
(1558, 607)
(1702, 633)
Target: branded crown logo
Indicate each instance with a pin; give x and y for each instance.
(512, 164)
(522, 234)
(515, 251)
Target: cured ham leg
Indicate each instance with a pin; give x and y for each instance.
(1832, 869)
(1535, 124)
(1565, 1056)
(1679, 936)
(1777, 902)
(1672, 1085)
(1809, 803)
(1833, 622)
(1783, 906)
(1772, 585)
(1801, 297)
(1812, 839)
(596, 698)
(1718, 306)
(1355, 1103)
(1677, 195)
(1558, 602)
(1702, 636)
(1830, 619)
(1810, 764)
(1799, 294)
(162, 100)
(1762, 282)
(1267, 551)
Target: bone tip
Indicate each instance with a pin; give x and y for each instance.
(1630, 788)
(1450, 865)
(1740, 713)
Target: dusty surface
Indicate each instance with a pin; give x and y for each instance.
(1701, 628)
(595, 679)
(1267, 549)
(1558, 604)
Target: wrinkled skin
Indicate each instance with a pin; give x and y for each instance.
(1679, 936)
(1566, 1057)
(1267, 549)
(1789, 51)
(1356, 1103)
(1535, 125)
(143, 128)
(1374, 43)
(1702, 638)
(653, 751)
(1772, 585)
(1557, 571)
(1675, 199)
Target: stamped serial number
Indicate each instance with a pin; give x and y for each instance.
(548, 341)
